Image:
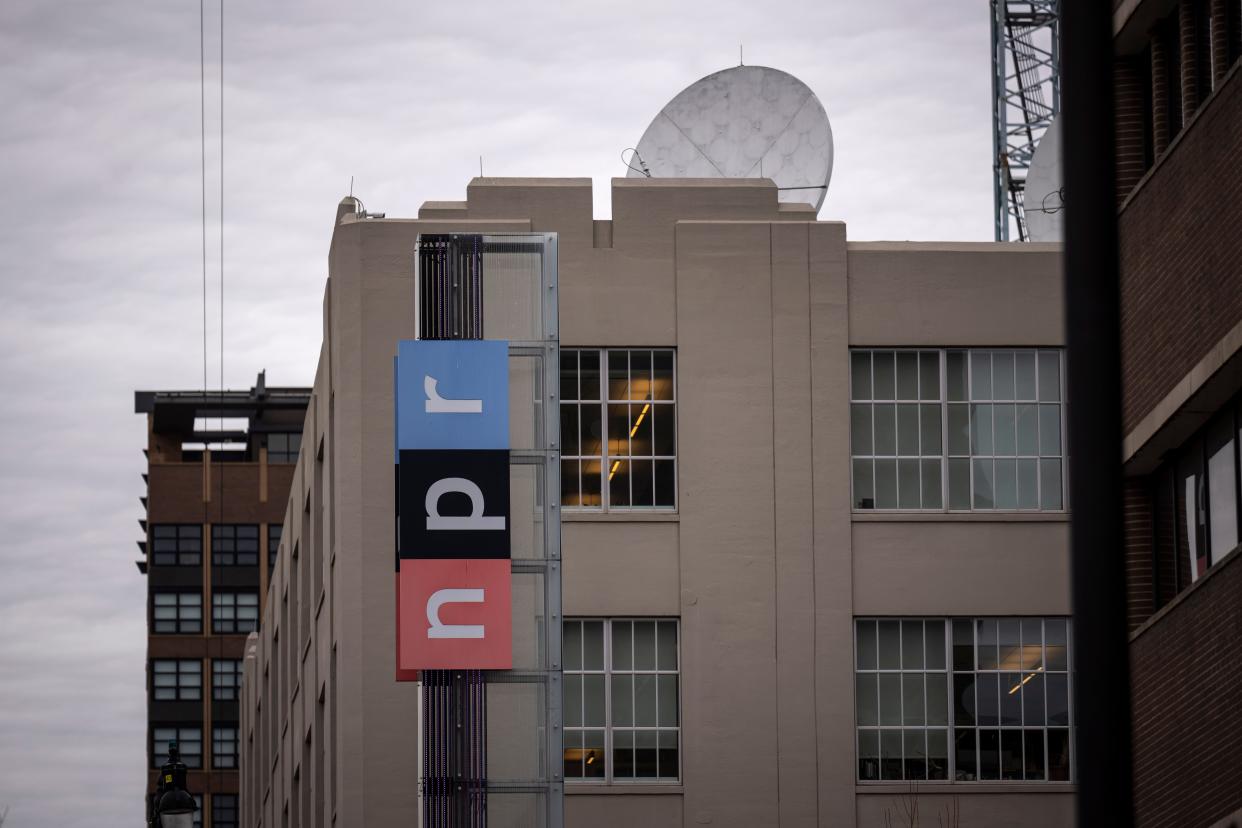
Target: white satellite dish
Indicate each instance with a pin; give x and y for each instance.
(1044, 201)
(743, 122)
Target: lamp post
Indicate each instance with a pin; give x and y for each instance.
(172, 805)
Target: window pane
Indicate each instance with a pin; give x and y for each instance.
(618, 375)
(937, 699)
(1011, 754)
(934, 636)
(593, 700)
(640, 375)
(907, 375)
(570, 488)
(1034, 754)
(619, 483)
(890, 754)
(980, 375)
(1010, 699)
(959, 484)
(987, 708)
(1055, 641)
(665, 490)
(869, 755)
(645, 700)
(890, 698)
(1032, 644)
(593, 754)
(955, 368)
(569, 430)
(1024, 374)
(883, 387)
(623, 754)
(592, 429)
(1222, 490)
(1033, 700)
(640, 430)
(989, 754)
(1006, 494)
(929, 375)
(937, 754)
(860, 375)
(916, 754)
(669, 763)
(866, 690)
(571, 645)
(623, 700)
(592, 471)
(1049, 375)
(908, 430)
(959, 429)
(1027, 428)
(929, 429)
(981, 429)
(964, 698)
(908, 484)
(963, 645)
(932, 484)
(569, 374)
(912, 645)
(890, 645)
(666, 645)
(1004, 437)
(1028, 483)
(662, 374)
(592, 645)
(860, 428)
(645, 757)
(573, 754)
(912, 707)
(1058, 755)
(643, 483)
(1008, 635)
(885, 429)
(1002, 375)
(886, 484)
(1050, 484)
(644, 645)
(1050, 430)
(1057, 691)
(588, 364)
(982, 487)
(667, 700)
(964, 758)
(864, 484)
(866, 646)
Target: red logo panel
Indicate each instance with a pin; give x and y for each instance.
(453, 613)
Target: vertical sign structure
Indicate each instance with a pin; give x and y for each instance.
(478, 529)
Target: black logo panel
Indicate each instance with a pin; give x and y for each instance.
(453, 503)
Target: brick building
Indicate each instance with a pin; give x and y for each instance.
(219, 469)
(1179, 140)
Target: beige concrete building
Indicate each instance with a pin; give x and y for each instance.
(835, 559)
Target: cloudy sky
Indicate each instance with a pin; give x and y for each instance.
(101, 248)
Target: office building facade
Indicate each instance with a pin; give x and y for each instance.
(219, 467)
(814, 535)
(1179, 138)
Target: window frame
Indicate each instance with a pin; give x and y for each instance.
(230, 533)
(178, 605)
(608, 671)
(234, 628)
(946, 456)
(275, 531)
(179, 692)
(220, 736)
(179, 556)
(159, 757)
(951, 725)
(607, 459)
(285, 455)
(220, 802)
(233, 689)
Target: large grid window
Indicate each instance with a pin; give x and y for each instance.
(622, 700)
(957, 429)
(224, 746)
(226, 674)
(176, 612)
(283, 448)
(234, 612)
(176, 679)
(273, 546)
(963, 699)
(176, 544)
(189, 741)
(224, 811)
(618, 429)
(235, 544)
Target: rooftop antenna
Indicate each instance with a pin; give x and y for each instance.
(351, 186)
(740, 61)
(480, 166)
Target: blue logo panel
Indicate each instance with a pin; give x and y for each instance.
(452, 394)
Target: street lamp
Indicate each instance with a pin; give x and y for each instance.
(174, 806)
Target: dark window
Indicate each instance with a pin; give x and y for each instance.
(224, 745)
(226, 675)
(224, 811)
(176, 612)
(176, 679)
(234, 544)
(176, 544)
(1170, 34)
(283, 448)
(234, 612)
(273, 545)
(189, 741)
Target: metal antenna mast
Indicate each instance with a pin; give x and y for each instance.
(1026, 96)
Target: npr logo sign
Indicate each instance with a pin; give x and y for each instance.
(452, 476)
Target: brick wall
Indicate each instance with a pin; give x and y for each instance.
(1187, 714)
(1140, 581)
(1181, 255)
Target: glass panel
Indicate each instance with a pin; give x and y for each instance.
(1050, 430)
(1055, 638)
(1033, 699)
(593, 754)
(640, 375)
(592, 433)
(645, 700)
(623, 754)
(666, 686)
(666, 645)
(981, 429)
(1024, 375)
(916, 754)
(1027, 428)
(1050, 484)
(665, 490)
(955, 369)
(569, 376)
(1032, 644)
(908, 430)
(890, 698)
(989, 754)
(964, 698)
(623, 700)
(592, 472)
(964, 758)
(929, 429)
(886, 484)
(912, 645)
(570, 485)
(643, 486)
(644, 645)
(640, 430)
(890, 754)
(937, 699)
(986, 699)
(1049, 375)
(588, 362)
(864, 484)
(860, 428)
(885, 433)
(860, 375)
(1010, 698)
(866, 697)
(934, 637)
(1002, 375)
(1008, 637)
(913, 711)
(619, 483)
(980, 375)
(929, 375)
(907, 375)
(982, 488)
(963, 645)
(1005, 423)
(908, 484)
(1034, 754)
(937, 754)
(669, 764)
(959, 429)
(618, 375)
(1028, 483)
(1057, 687)
(1058, 755)
(1006, 483)
(865, 632)
(573, 700)
(868, 755)
(890, 645)
(593, 700)
(593, 645)
(645, 757)
(932, 484)
(1011, 754)
(1222, 490)
(959, 484)
(883, 387)
(662, 375)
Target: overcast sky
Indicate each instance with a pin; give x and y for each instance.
(101, 250)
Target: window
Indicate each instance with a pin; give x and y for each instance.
(957, 429)
(273, 546)
(283, 448)
(1207, 502)
(176, 612)
(176, 544)
(198, 811)
(963, 699)
(189, 741)
(234, 612)
(224, 746)
(234, 544)
(618, 429)
(176, 679)
(226, 675)
(224, 811)
(622, 700)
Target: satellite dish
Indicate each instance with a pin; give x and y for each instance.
(1043, 201)
(743, 122)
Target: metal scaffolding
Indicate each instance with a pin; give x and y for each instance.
(1026, 96)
